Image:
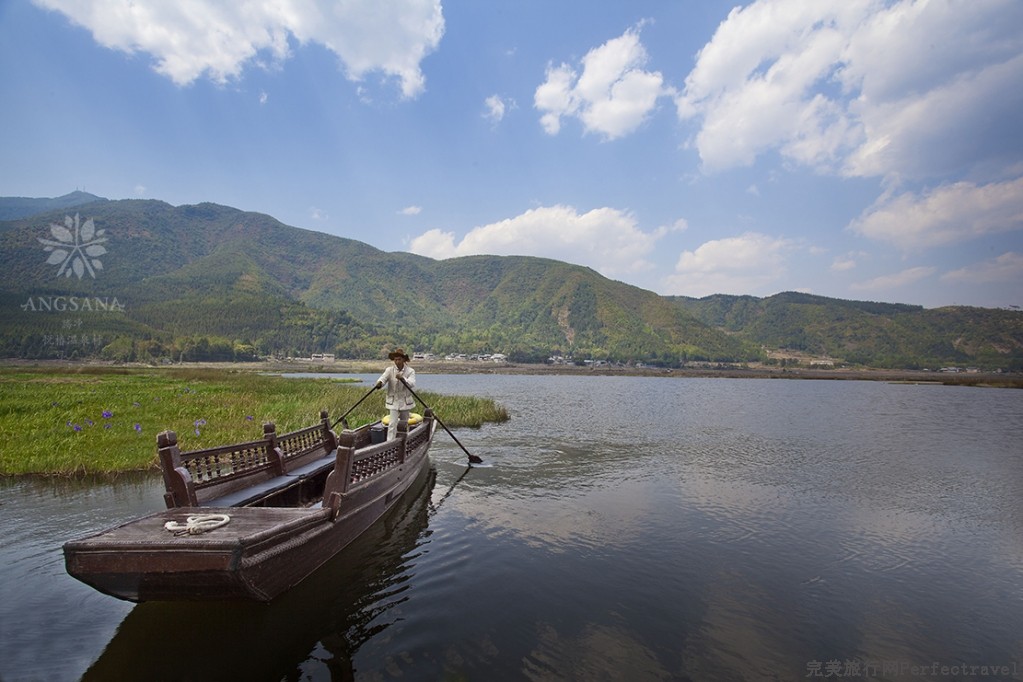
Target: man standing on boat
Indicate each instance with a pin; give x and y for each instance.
(399, 399)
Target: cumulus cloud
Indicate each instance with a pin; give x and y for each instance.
(190, 40)
(411, 210)
(611, 97)
(605, 239)
(896, 280)
(861, 87)
(948, 214)
(733, 265)
(494, 109)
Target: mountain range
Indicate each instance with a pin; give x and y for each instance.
(84, 276)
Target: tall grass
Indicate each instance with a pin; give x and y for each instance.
(106, 420)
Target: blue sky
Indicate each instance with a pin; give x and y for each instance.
(859, 149)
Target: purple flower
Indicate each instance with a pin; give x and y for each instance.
(76, 427)
(107, 414)
(107, 425)
(138, 428)
(248, 418)
(89, 422)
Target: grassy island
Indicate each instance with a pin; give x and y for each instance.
(88, 420)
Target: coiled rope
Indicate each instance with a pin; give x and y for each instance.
(198, 524)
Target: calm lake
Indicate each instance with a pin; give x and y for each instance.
(623, 528)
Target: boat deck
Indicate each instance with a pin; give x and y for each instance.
(247, 526)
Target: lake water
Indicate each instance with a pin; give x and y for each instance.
(622, 529)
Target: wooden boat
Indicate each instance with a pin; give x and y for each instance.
(250, 520)
(270, 641)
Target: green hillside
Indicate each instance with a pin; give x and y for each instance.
(210, 282)
(213, 282)
(867, 333)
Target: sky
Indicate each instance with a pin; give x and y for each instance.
(856, 149)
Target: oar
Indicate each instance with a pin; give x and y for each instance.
(473, 459)
(342, 417)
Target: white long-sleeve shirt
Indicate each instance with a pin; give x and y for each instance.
(398, 397)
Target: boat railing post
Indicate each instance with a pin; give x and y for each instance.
(328, 433)
(270, 433)
(344, 460)
(180, 491)
(273, 452)
(338, 480)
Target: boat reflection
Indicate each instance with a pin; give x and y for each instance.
(320, 623)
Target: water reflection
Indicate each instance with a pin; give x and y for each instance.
(319, 624)
(623, 529)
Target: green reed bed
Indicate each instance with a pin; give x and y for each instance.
(63, 422)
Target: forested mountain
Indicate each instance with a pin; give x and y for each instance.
(144, 280)
(877, 334)
(213, 281)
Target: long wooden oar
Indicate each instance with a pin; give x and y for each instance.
(473, 459)
(342, 417)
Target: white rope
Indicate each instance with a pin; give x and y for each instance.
(198, 524)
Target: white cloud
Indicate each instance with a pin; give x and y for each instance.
(317, 214)
(605, 239)
(752, 83)
(862, 87)
(263, 97)
(948, 214)
(612, 96)
(680, 225)
(937, 132)
(1005, 268)
(436, 244)
(192, 39)
(734, 265)
(411, 210)
(494, 109)
(895, 281)
(843, 263)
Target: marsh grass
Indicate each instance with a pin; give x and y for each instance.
(98, 420)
